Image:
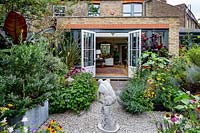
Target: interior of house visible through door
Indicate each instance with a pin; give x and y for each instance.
(111, 55)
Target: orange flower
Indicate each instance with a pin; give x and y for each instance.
(59, 127)
(198, 94)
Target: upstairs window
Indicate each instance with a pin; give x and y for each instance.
(94, 10)
(132, 9)
(58, 10)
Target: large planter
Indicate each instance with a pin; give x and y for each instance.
(35, 117)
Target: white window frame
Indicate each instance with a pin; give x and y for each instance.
(132, 12)
(90, 13)
(58, 13)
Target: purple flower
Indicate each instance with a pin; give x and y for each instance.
(17, 131)
(174, 119)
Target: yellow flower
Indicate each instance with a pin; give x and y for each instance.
(49, 127)
(152, 93)
(158, 78)
(3, 109)
(53, 131)
(59, 127)
(151, 82)
(10, 105)
(53, 121)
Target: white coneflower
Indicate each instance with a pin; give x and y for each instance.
(167, 116)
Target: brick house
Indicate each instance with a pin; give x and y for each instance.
(115, 32)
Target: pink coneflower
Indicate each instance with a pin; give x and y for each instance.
(174, 119)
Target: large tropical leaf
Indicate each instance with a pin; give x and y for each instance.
(15, 25)
(49, 30)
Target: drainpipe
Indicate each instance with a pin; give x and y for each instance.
(144, 8)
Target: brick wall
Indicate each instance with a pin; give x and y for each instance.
(108, 8)
(158, 8)
(161, 8)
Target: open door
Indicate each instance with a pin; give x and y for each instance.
(134, 51)
(88, 53)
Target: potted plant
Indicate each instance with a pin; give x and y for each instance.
(26, 81)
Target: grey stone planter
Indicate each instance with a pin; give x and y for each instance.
(36, 116)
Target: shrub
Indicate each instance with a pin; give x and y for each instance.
(133, 98)
(26, 81)
(159, 82)
(77, 96)
(194, 55)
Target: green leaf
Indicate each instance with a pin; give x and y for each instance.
(185, 101)
(180, 107)
(183, 96)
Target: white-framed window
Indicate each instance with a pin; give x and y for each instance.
(132, 9)
(58, 10)
(94, 10)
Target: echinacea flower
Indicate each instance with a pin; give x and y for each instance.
(174, 119)
(194, 101)
(179, 116)
(167, 116)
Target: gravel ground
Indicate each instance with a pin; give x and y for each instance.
(87, 121)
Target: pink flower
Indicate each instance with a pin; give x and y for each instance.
(194, 101)
(174, 119)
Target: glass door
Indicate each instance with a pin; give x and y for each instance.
(88, 53)
(134, 51)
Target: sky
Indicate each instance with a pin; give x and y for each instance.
(195, 5)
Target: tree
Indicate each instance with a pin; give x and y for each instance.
(24, 16)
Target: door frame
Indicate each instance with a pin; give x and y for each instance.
(131, 68)
(90, 69)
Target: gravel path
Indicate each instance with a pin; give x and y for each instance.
(87, 121)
